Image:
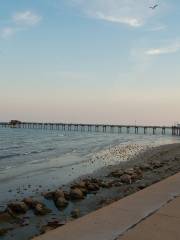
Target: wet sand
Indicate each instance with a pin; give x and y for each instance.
(88, 193)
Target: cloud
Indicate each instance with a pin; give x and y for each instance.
(164, 50)
(26, 18)
(20, 21)
(128, 12)
(8, 32)
(133, 22)
(158, 28)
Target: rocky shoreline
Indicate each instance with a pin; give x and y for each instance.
(54, 208)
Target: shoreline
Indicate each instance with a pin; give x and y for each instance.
(13, 188)
(104, 186)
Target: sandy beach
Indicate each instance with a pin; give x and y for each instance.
(25, 218)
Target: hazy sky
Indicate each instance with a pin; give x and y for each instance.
(112, 61)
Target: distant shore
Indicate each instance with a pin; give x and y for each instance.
(55, 207)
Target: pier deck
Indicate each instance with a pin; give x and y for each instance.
(136, 129)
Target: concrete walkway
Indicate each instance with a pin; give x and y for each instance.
(153, 210)
(165, 224)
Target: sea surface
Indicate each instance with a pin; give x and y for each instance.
(33, 160)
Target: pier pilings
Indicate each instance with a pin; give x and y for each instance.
(105, 128)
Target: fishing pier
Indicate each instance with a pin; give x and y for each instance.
(106, 128)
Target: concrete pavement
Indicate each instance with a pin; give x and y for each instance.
(130, 217)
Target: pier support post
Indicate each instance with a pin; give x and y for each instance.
(119, 129)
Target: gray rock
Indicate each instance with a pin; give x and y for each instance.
(61, 202)
(129, 171)
(40, 209)
(75, 213)
(145, 166)
(48, 195)
(59, 193)
(3, 231)
(117, 173)
(18, 207)
(92, 187)
(76, 194)
(126, 179)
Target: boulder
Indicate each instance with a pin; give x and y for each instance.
(84, 191)
(3, 231)
(5, 217)
(80, 184)
(29, 201)
(40, 209)
(18, 207)
(139, 173)
(117, 173)
(76, 193)
(126, 179)
(66, 195)
(142, 186)
(48, 195)
(50, 226)
(59, 193)
(75, 213)
(157, 164)
(145, 167)
(92, 187)
(129, 171)
(106, 184)
(61, 202)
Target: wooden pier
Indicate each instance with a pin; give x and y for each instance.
(105, 128)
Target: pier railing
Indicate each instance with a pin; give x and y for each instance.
(136, 129)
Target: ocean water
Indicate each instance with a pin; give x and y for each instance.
(35, 160)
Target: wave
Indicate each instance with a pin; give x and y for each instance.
(8, 156)
(10, 147)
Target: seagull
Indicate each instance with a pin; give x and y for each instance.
(154, 7)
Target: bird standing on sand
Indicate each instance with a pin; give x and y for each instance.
(154, 7)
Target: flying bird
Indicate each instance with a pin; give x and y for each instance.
(154, 7)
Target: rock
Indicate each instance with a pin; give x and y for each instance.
(106, 184)
(95, 180)
(105, 202)
(80, 184)
(3, 231)
(44, 229)
(139, 173)
(84, 191)
(5, 217)
(66, 195)
(117, 184)
(117, 173)
(48, 195)
(50, 226)
(59, 193)
(76, 194)
(145, 167)
(40, 209)
(29, 201)
(126, 179)
(18, 207)
(157, 164)
(177, 157)
(142, 186)
(92, 187)
(61, 202)
(24, 222)
(129, 171)
(75, 213)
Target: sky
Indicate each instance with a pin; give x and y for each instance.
(90, 61)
